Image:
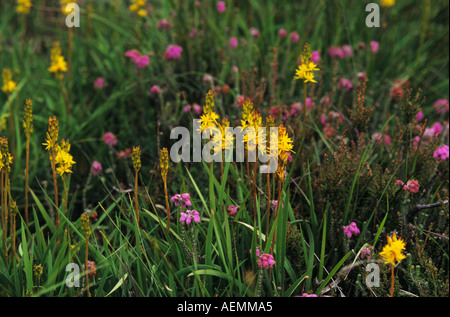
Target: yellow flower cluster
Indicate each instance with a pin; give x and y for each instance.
(306, 70)
(64, 4)
(6, 158)
(58, 64)
(63, 158)
(164, 162)
(387, 3)
(8, 84)
(138, 7)
(392, 252)
(23, 6)
(209, 117)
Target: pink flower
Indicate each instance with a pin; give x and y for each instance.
(282, 33)
(441, 153)
(173, 52)
(183, 200)
(207, 78)
(254, 32)
(441, 105)
(347, 49)
(345, 84)
(308, 295)
(193, 33)
(399, 182)
(436, 128)
(381, 137)
(232, 42)
(221, 6)
(99, 83)
(419, 116)
(137, 58)
(412, 186)
(110, 139)
(155, 89)
(374, 46)
(197, 109)
(190, 215)
(315, 58)
(266, 261)
(294, 37)
(164, 24)
(96, 168)
(232, 210)
(367, 252)
(351, 229)
(336, 52)
(362, 76)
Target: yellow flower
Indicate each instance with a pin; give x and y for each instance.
(63, 158)
(58, 64)
(392, 252)
(306, 69)
(137, 6)
(285, 143)
(209, 117)
(23, 6)
(387, 3)
(8, 84)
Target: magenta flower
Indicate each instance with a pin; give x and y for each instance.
(362, 76)
(315, 58)
(110, 139)
(381, 137)
(233, 210)
(399, 182)
(351, 229)
(221, 6)
(155, 89)
(367, 252)
(308, 295)
(183, 200)
(266, 261)
(374, 46)
(232, 42)
(345, 84)
(441, 105)
(282, 33)
(412, 186)
(336, 52)
(441, 153)
(419, 116)
(164, 24)
(137, 58)
(294, 37)
(96, 168)
(173, 52)
(99, 83)
(254, 32)
(190, 215)
(347, 49)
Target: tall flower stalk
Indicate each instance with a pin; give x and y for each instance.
(136, 158)
(86, 228)
(28, 127)
(392, 253)
(5, 162)
(164, 165)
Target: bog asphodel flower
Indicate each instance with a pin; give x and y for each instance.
(8, 84)
(306, 70)
(63, 158)
(58, 64)
(209, 118)
(23, 6)
(387, 3)
(64, 4)
(393, 250)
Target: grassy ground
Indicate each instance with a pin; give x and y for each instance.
(339, 172)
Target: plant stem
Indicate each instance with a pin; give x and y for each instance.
(392, 281)
(136, 197)
(27, 168)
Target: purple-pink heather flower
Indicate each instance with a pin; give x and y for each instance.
(232, 42)
(266, 261)
(308, 295)
(367, 252)
(412, 186)
(374, 46)
(345, 84)
(399, 182)
(183, 200)
(336, 52)
(315, 57)
(99, 83)
(232, 209)
(155, 89)
(96, 168)
(294, 37)
(351, 229)
(282, 32)
(347, 49)
(221, 6)
(441, 153)
(254, 32)
(441, 105)
(190, 215)
(381, 137)
(137, 58)
(173, 52)
(362, 76)
(419, 116)
(164, 24)
(109, 139)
